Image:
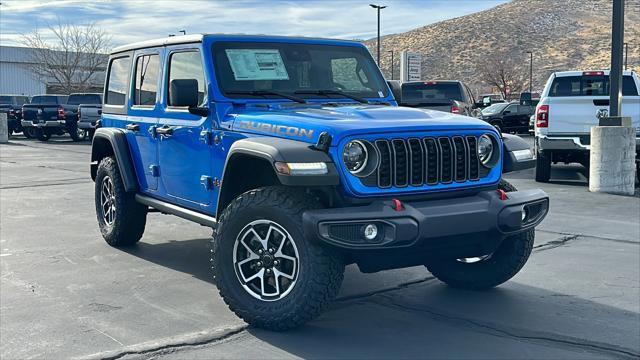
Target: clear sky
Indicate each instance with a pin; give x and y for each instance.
(129, 21)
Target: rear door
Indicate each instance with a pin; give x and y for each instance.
(184, 155)
(575, 101)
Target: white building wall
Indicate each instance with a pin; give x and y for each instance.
(15, 78)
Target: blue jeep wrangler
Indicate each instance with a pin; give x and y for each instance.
(295, 152)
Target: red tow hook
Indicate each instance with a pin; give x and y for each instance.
(502, 194)
(397, 204)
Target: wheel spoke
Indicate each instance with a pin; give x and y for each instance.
(251, 257)
(277, 273)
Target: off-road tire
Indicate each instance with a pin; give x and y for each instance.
(320, 271)
(130, 216)
(543, 166)
(29, 132)
(501, 266)
(43, 135)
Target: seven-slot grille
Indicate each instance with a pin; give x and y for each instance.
(430, 161)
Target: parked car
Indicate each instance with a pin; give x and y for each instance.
(569, 107)
(57, 114)
(295, 152)
(444, 95)
(489, 99)
(12, 106)
(508, 117)
(89, 113)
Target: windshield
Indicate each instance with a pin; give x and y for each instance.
(261, 70)
(494, 109)
(47, 100)
(431, 92)
(84, 99)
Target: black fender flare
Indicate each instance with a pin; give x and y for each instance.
(512, 162)
(274, 150)
(113, 141)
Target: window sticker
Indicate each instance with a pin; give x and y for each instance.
(257, 64)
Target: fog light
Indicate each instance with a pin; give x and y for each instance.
(370, 231)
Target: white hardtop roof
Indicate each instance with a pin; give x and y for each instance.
(579, 72)
(170, 40)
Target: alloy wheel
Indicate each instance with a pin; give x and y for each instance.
(108, 201)
(266, 260)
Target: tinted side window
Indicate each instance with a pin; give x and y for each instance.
(146, 83)
(187, 65)
(118, 81)
(512, 108)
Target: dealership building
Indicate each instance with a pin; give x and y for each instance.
(18, 78)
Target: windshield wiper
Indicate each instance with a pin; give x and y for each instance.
(332, 92)
(268, 92)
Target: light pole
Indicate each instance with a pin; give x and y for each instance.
(378, 7)
(530, 72)
(626, 49)
(391, 51)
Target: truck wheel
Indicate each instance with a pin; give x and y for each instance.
(120, 217)
(42, 135)
(485, 272)
(29, 132)
(543, 166)
(265, 270)
(76, 133)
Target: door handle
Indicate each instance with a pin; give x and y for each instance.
(165, 130)
(133, 127)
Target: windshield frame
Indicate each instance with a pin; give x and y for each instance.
(221, 91)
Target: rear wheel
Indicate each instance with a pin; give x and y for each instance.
(76, 133)
(42, 134)
(29, 132)
(488, 270)
(120, 217)
(543, 166)
(265, 270)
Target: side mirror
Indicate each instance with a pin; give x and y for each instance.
(506, 112)
(184, 92)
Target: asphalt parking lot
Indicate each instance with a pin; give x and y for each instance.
(66, 294)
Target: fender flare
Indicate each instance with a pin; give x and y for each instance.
(113, 141)
(274, 150)
(511, 162)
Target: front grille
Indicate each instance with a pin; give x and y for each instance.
(429, 161)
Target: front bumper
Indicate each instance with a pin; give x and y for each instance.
(474, 224)
(44, 124)
(578, 142)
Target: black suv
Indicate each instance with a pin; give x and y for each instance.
(508, 117)
(444, 95)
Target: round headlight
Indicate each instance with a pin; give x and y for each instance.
(485, 149)
(354, 156)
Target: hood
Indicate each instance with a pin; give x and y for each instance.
(306, 123)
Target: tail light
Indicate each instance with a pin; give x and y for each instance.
(455, 110)
(61, 114)
(542, 116)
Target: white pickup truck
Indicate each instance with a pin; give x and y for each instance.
(571, 103)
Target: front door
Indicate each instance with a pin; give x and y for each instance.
(184, 153)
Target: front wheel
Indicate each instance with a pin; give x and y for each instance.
(489, 270)
(265, 270)
(42, 134)
(29, 132)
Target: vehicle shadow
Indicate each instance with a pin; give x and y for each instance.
(431, 320)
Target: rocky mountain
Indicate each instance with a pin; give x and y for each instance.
(563, 35)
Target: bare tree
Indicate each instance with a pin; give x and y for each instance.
(504, 73)
(72, 59)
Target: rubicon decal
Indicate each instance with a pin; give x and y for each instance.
(290, 131)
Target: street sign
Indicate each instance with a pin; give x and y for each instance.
(410, 66)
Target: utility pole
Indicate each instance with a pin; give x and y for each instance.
(626, 52)
(530, 72)
(615, 76)
(391, 51)
(378, 7)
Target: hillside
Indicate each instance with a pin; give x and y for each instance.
(563, 35)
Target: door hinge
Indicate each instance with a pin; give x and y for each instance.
(153, 169)
(205, 137)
